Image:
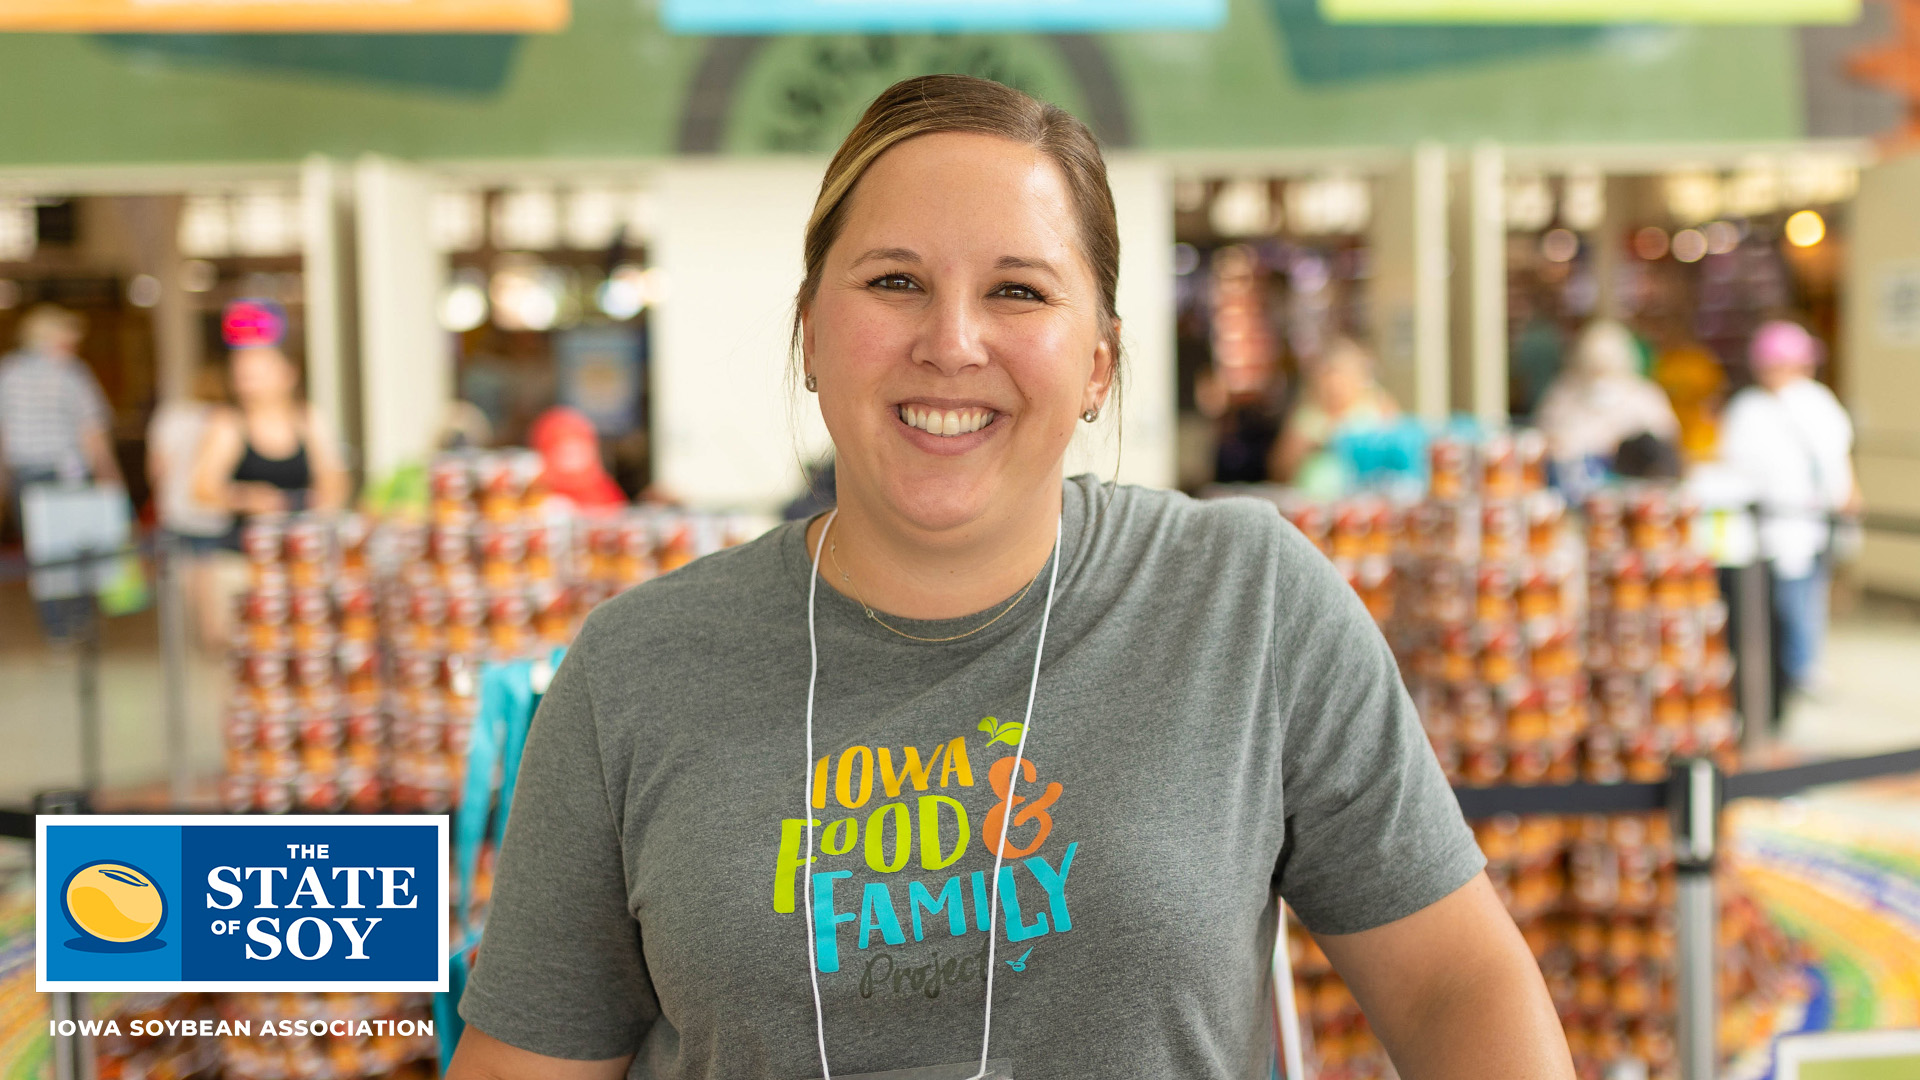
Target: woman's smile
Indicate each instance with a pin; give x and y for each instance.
(947, 429)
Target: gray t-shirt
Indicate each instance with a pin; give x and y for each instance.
(1218, 721)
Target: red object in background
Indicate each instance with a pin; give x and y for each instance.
(1891, 63)
(570, 448)
(253, 323)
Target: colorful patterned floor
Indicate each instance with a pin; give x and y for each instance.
(24, 1050)
(1840, 871)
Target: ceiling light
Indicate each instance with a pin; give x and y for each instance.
(1689, 245)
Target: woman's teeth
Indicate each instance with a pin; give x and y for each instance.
(946, 421)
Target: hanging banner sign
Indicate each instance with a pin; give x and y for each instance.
(937, 16)
(285, 16)
(1591, 11)
(209, 903)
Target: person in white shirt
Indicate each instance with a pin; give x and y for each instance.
(1599, 402)
(197, 532)
(1790, 439)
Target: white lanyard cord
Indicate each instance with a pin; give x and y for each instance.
(806, 812)
(1006, 819)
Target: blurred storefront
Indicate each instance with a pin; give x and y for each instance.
(463, 178)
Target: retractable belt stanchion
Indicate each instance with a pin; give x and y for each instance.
(170, 600)
(1753, 638)
(1694, 795)
(89, 685)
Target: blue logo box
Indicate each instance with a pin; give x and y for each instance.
(287, 903)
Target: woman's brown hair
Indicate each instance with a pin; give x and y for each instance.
(929, 104)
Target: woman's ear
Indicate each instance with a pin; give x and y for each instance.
(1106, 364)
(806, 342)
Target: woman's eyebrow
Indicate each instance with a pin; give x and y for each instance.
(892, 254)
(1024, 262)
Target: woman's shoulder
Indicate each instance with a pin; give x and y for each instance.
(220, 423)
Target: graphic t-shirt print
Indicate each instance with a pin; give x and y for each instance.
(896, 895)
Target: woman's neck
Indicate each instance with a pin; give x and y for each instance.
(896, 569)
(271, 411)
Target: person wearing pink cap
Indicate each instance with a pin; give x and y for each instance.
(1790, 438)
(271, 452)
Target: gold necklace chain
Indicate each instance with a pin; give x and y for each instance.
(833, 552)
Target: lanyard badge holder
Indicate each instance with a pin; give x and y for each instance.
(509, 694)
(982, 1068)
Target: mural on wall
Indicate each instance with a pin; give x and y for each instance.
(1892, 64)
(800, 94)
(616, 84)
(1324, 52)
(477, 65)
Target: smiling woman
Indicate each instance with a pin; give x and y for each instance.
(1031, 772)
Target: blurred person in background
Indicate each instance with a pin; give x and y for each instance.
(1599, 402)
(1242, 426)
(1790, 439)
(55, 426)
(1341, 396)
(193, 530)
(1537, 348)
(271, 453)
(1694, 382)
(569, 446)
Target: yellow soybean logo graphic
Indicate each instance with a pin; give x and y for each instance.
(115, 904)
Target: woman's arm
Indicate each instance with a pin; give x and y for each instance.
(213, 462)
(1288, 452)
(330, 481)
(1453, 991)
(159, 464)
(480, 1056)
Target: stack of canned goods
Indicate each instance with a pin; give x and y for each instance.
(1536, 653)
(357, 671)
(1546, 647)
(1656, 640)
(1488, 626)
(485, 577)
(336, 1036)
(1478, 590)
(1593, 896)
(305, 724)
(619, 550)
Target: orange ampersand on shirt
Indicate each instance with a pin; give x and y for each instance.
(1001, 777)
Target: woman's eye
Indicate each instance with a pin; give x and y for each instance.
(1017, 291)
(891, 282)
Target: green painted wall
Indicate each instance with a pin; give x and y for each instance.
(1239, 87)
(614, 85)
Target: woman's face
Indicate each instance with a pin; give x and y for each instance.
(262, 374)
(1340, 382)
(956, 333)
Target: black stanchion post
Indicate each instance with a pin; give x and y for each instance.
(1753, 638)
(1695, 791)
(72, 1053)
(89, 688)
(171, 598)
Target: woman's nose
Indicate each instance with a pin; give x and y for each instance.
(951, 336)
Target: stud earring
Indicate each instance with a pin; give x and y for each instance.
(813, 384)
(1090, 415)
